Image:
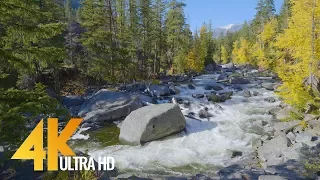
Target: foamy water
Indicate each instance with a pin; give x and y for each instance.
(235, 125)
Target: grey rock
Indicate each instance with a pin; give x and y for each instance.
(265, 138)
(315, 131)
(223, 77)
(274, 111)
(306, 138)
(309, 117)
(152, 123)
(239, 80)
(213, 87)
(271, 170)
(297, 130)
(211, 67)
(271, 177)
(269, 129)
(271, 152)
(186, 104)
(69, 101)
(286, 126)
(218, 98)
(269, 86)
(86, 125)
(293, 152)
(246, 93)
(198, 96)
(174, 90)
(255, 93)
(270, 99)
(292, 137)
(159, 90)
(314, 123)
(203, 113)
(228, 66)
(106, 106)
(191, 86)
(147, 100)
(283, 113)
(133, 87)
(234, 154)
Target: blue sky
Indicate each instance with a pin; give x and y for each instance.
(221, 12)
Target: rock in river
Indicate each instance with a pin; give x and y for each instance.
(152, 123)
(69, 101)
(159, 90)
(239, 80)
(106, 106)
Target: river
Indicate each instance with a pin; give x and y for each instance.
(204, 147)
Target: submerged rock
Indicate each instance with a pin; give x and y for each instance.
(174, 90)
(106, 106)
(191, 86)
(270, 99)
(219, 98)
(234, 154)
(239, 80)
(198, 96)
(223, 77)
(246, 93)
(152, 123)
(203, 113)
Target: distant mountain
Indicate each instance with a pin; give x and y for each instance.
(224, 29)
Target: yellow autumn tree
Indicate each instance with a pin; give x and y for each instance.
(298, 39)
(224, 55)
(192, 60)
(241, 52)
(265, 52)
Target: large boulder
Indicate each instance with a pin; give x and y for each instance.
(152, 123)
(271, 152)
(107, 106)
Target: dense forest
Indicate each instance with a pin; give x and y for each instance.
(53, 44)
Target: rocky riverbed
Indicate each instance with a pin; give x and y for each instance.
(233, 129)
(231, 126)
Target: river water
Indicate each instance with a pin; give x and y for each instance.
(204, 147)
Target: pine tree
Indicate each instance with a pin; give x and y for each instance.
(175, 25)
(41, 28)
(158, 34)
(285, 14)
